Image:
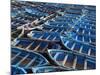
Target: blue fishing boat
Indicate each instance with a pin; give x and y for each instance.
(26, 60)
(74, 11)
(34, 11)
(34, 45)
(84, 38)
(63, 21)
(85, 30)
(71, 60)
(17, 70)
(87, 27)
(20, 20)
(26, 14)
(50, 37)
(55, 24)
(51, 29)
(44, 69)
(79, 47)
(47, 36)
(93, 8)
(75, 6)
(39, 69)
(67, 18)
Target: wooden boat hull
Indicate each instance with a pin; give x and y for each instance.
(84, 38)
(35, 45)
(71, 60)
(58, 37)
(46, 69)
(47, 36)
(79, 47)
(24, 59)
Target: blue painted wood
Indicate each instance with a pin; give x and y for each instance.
(71, 60)
(35, 45)
(78, 46)
(45, 69)
(48, 36)
(84, 38)
(76, 26)
(26, 60)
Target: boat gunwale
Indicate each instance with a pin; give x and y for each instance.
(29, 52)
(78, 51)
(70, 53)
